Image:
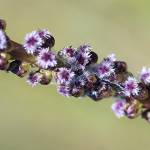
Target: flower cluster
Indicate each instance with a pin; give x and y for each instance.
(77, 72)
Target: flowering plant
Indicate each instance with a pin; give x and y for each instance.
(76, 72)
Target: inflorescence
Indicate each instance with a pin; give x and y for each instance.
(76, 72)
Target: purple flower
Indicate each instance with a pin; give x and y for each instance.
(118, 108)
(34, 78)
(64, 90)
(105, 69)
(68, 52)
(3, 40)
(64, 76)
(82, 59)
(131, 87)
(84, 48)
(44, 33)
(145, 75)
(46, 59)
(110, 58)
(32, 42)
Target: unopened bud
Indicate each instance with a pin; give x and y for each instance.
(46, 76)
(2, 24)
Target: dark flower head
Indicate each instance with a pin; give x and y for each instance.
(132, 109)
(77, 91)
(2, 24)
(146, 115)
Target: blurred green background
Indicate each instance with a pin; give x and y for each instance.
(39, 118)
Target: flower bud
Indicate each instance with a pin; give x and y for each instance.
(4, 58)
(143, 93)
(120, 66)
(2, 24)
(23, 69)
(77, 91)
(93, 58)
(146, 115)
(14, 66)
(100, 92)
(92, 80)
(132, 109)
(49, 42)
(46, 76)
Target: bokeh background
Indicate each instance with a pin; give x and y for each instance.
(39, 118)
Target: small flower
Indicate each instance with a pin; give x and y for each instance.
(131, 87)
(44, 33)
(64, 90)
(105, 69)
(118, 108)
(64, 76)
(34, 79)
(46, 59)
(68, 52)
(84, 48)
(32, 42)
(3, 40)
(145, 75)
(82, 59)
(110, 58)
